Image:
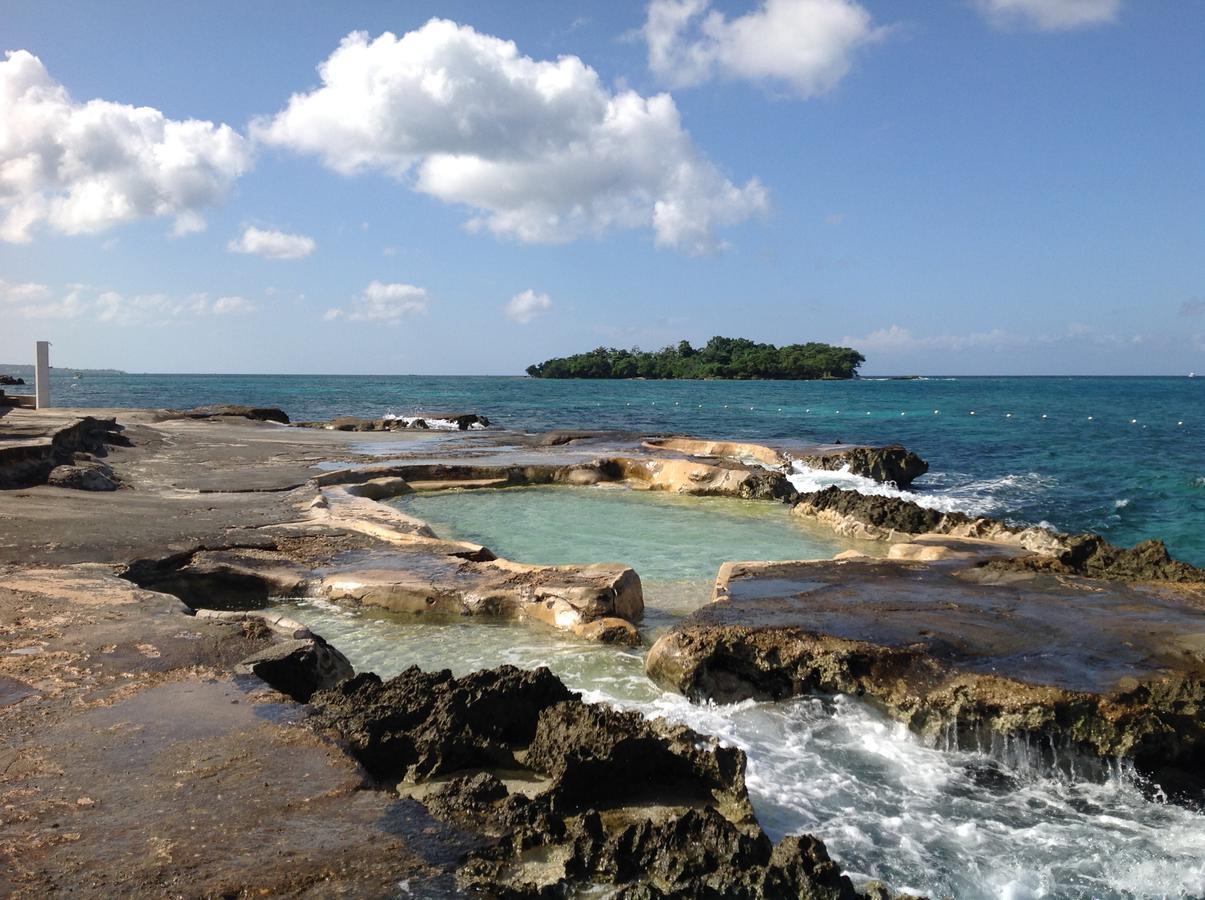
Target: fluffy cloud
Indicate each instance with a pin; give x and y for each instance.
(808, 44)
(540, 151)
(272, 244)
(1049, 15)
(80, 168)
(524, 307)
(383, 302)
(38, 301)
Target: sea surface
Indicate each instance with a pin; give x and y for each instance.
(1121, 456)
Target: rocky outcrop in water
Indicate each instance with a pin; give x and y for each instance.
(968, 656)
(1092, 556)
(569, 794)
(237, 411)
(892, 463)
(423, 422)
(10, 380)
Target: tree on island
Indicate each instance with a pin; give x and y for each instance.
(720, 358)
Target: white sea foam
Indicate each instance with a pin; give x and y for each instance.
(984, 497)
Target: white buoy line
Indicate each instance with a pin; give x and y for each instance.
(1180, 423)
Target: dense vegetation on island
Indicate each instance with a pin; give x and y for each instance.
(720, 357)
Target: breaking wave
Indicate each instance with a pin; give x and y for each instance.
(940, 491)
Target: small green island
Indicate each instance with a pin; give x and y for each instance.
(719, 358)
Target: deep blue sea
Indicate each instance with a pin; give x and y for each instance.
(1120, 456)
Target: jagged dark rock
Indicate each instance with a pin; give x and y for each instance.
(569, 794)
(10, 380)
(1092, 556)
(462, 421)
(892, 463)
(422, 724)
(299, 668)
(889, 513)
(255, 413)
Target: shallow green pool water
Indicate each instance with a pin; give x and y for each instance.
(663, 536)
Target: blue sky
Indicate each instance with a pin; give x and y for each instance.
(954, 186)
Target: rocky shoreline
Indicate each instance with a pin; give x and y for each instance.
(132, 615)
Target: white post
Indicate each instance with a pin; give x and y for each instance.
(42, 376)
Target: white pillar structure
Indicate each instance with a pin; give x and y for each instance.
(42, 375)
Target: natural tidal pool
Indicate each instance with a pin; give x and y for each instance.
(946, 824)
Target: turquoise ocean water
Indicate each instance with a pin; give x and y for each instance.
(1121, 456)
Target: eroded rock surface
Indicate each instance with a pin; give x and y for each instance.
(571, 794)
(83, 475)
(1109, 670)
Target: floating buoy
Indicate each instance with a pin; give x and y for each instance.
(1089, 418)
(1133, 421)
(1008, 415)
(902, 413)
(867, 412)
(1179, 423)
(837, 413)
(807, 410)
(934, 412)
(1043, 415)
(972, 412)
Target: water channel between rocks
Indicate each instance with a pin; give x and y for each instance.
(947, 824)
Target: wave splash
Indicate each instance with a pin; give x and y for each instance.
(984, 497)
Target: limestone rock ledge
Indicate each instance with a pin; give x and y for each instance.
(964, 656)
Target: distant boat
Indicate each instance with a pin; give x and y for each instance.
(1192, 374)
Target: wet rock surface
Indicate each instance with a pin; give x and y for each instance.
(963, 654)
(131, 763)
(569, 794)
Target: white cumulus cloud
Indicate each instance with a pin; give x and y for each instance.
(525, 306)
(383, 302)
(540, 151)
(1049, 15)
(272, 244)
(807, 44)
(80, 168)
(39, 301)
